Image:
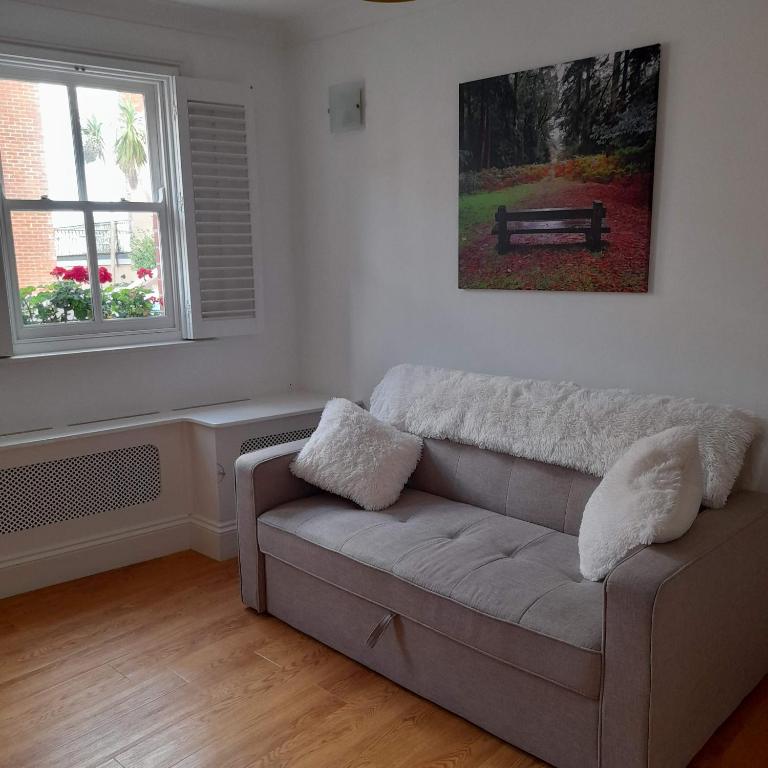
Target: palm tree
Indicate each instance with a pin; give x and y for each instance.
(130, 150)
(93, 140)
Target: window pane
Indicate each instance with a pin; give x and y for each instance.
(36, 152)
(115, 148)
(130, 269)
(53, 287)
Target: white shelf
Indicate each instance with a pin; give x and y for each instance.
(213, 416)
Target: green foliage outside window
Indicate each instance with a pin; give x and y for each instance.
(143, 251)
(68, 299)
(93, 140)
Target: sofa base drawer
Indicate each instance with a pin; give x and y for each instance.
(544, 719)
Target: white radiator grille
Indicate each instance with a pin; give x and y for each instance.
(64, 489)
(220, 185)
(257, 443)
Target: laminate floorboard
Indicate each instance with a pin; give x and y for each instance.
(158, 665)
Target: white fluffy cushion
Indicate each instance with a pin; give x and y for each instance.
(354, 455)
(652, 494)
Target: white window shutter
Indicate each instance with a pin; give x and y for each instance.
(216, 141)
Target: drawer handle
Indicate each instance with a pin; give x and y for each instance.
(378, 630)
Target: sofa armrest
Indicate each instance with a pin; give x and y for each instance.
(685, 636)
(262, 482)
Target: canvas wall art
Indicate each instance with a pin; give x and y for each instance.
(556, 175)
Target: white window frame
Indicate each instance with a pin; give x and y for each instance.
(163, 160)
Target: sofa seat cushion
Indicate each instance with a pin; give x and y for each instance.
(509, 588)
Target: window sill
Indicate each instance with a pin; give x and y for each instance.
(213, 416)
(64, 353)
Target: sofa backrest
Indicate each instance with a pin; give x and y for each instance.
(528, 490)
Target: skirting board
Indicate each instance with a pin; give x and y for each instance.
(215, 540)
(53, 565)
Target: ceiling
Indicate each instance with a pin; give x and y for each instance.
(282, 10)
(304, 18)
(247, 19)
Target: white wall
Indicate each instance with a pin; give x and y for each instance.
(54, 392)
(374, 278)
(378, 261)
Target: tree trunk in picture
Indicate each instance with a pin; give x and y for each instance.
(635, 75)
(586, 125)
(516, 138)
(615, 79)
(578, 107)
(483, 117)
(624, 77)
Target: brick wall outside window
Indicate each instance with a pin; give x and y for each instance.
(23, 167)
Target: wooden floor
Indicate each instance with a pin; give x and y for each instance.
(159, 665)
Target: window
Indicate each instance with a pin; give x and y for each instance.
(85, 183)
(126, 207)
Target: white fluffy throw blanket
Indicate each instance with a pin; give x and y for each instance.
(561, 424)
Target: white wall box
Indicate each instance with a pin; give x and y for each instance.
(345, 107)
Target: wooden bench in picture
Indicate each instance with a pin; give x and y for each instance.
(589, 222)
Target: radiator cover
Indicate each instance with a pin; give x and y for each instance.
(266, 441)
(53, 491)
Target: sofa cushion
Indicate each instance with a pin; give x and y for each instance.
(505, 484)
(651, 495)
(508, 587)
(354, 455)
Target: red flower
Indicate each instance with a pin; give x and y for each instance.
(58, 272)
(78, 274)
(143, 272)
(104, 275)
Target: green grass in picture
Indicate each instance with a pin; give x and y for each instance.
(478, 209)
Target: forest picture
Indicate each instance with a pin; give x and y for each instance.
(556, 175)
